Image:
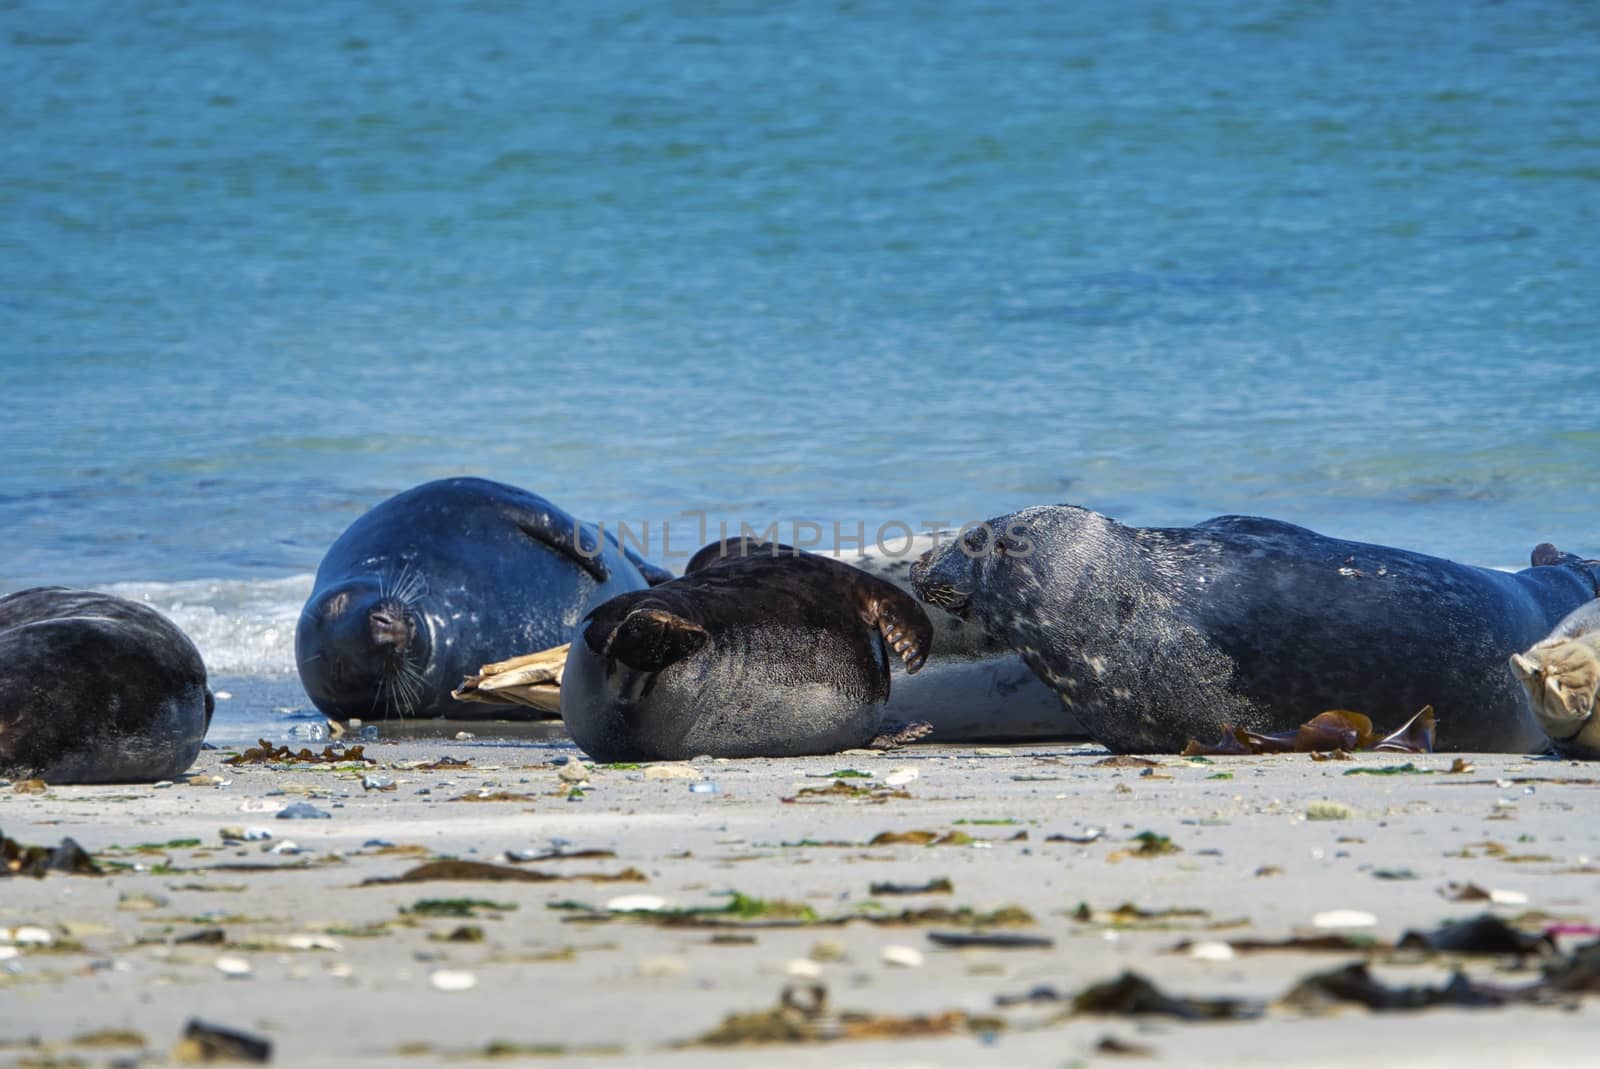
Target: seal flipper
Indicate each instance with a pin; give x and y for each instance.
(647, 640)
(549, 526)
(904, 625)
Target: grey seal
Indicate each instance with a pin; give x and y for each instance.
(429, 585)
(97, 689)
(1153, 636)
(768, 654)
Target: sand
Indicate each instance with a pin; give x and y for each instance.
(336, 971)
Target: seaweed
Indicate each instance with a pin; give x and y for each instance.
(452, 869)
(266, 753)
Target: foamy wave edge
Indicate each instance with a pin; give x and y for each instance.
(243, 627)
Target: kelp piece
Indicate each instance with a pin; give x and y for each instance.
(1232, 744)
(1483, 934)
(1132, 995)
(204, 1043)
(991, 940)
(1333, 731)
(1416, 736)
(940, 885)
(1355, 983)
(19, 860)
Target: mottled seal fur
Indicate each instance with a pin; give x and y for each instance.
(1561, 674)
(768, 654)
(438, 580)
(973, 687)
(97, 689)
(1153, 636)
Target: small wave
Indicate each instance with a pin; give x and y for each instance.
(242, 627)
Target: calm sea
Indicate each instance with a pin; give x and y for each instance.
(262, 265)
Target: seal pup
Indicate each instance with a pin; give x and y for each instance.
(440, 579)
(1561, 674)
(770, 654)
(97, 689)
(1151, 636)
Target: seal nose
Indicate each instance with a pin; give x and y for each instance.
(389, 627)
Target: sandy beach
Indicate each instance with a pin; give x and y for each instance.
(653, 903)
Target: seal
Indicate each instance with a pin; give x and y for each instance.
(770, 654)
(1153, 636)
(1561, 674)
(443, 578)
(972, 688)
(97, 689)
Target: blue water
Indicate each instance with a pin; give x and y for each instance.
(262, 265)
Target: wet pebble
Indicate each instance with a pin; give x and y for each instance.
(899, 777)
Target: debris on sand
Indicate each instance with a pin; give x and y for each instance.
(204, 1043)
(1327, 732)
(265, 753)
(36, 861)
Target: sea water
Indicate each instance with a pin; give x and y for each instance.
(868, 262)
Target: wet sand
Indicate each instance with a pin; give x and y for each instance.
(334, 970)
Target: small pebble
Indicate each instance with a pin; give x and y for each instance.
(234, 968)
(671, 771)
(303, 811)
(803, 969)
(663, 967)
(305, 941)
(377, 783)
(902, 956)
(1211, 950)
(32, 935)
(1344, 918)
(705, 787)
(452, 980)
(465, 736)
(636, 904)
(222, 695)
(828, 950)
(899, 777)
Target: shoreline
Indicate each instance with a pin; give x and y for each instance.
(337, 970)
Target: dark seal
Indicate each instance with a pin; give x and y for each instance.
(1153, 636)
(437, 581)
(770, 654)
(97, 689)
